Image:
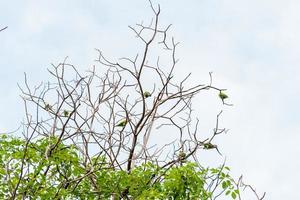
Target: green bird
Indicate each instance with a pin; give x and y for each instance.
(181, 155)
(147, 94)
(48, 107)
(122, 123)
(66, 113)
(223, 96)
(210, 146)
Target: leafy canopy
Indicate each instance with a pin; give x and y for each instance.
(63, 175)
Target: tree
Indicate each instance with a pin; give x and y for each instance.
(87, 135)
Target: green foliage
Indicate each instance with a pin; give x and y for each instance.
(49, 169)
(185, 182)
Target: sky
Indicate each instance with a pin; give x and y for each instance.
(252, 48)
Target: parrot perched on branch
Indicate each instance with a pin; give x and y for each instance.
(147, 94)
(66, 113)
(122, 123)
(48, 107)
(223, 96)
(181, 155)
(209, 146)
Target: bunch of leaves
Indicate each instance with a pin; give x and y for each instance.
(35, 170)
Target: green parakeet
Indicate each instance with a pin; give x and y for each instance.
(222, 95)
(66, 113)
(181, 155)
(209, 146)
(122, 123)
(147, 94)
(48, 107)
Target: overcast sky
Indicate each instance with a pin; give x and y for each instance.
(252, 47)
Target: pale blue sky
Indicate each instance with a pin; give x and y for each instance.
(252, 47)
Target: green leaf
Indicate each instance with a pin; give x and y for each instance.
(224, 185)
(233, 195)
